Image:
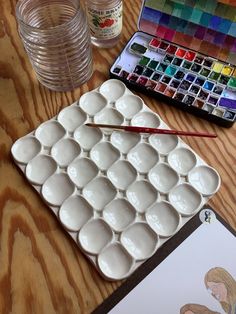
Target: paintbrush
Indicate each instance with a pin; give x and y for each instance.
(139, 129)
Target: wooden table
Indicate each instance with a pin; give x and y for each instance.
(41, 269)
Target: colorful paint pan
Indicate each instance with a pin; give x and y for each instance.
(133, 77)
(153, 64)
(169, 92)
(180, 52)
(190, 77)
(161, 87)
(166, 79)
(151, 84)
(205, 72)
(198, 103)
(142, 80)
(171, 70)
(171, 49)
(186, 65)
(156, 77)
(144, 60)
(214, 76)
(186, 78)
(163, 46)
(208, 63)
(138, 49)
(168, 59)
(232, 83)
(148, 72)
(217, 67)
(227, 70)
(190, 55)
(138, 69)
(154, 43)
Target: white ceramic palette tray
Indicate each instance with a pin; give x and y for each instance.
(119, 195)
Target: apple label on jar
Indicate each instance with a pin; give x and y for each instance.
(105, 24)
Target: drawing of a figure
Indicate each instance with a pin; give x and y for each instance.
(223, 288)
(196, 309)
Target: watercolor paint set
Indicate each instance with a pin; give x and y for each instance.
(185, 54)
(119, 195)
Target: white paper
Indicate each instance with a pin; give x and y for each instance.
(179, 279)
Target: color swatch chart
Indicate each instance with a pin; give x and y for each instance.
(208, 26)
(196, 81)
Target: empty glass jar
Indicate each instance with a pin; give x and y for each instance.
(56, 37)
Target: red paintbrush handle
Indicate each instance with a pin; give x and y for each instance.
(138, 129)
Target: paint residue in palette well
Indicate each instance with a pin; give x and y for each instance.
(181, 74)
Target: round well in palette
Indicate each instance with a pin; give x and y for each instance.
(115, 262)
(25, 148)
(122, 174)
(204, 179)
(40, 168)
(141, 195)
(185, 199)
(143, 157)
(81, 171)
(75, 212)
(57, 188)
(124, 141)
(129, 105)
(71, 117)
(92, 102)
(163, 144)
(119, 214)
(182, 160)
(163, 219)
(65, 151)
(99, 192)
(109, 116)
(146, 119)
(112, 90)
(163, 177)
(139, 240)
(95, 235)
(48, 133)
(104, 154)
(87, 137)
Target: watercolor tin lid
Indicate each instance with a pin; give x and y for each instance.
(207, 26)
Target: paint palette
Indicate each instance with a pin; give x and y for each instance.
(175, 56)
(191, 81)
(119, 195)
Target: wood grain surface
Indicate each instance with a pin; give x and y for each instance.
(41, 269)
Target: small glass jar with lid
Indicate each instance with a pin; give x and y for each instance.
(105, 21)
